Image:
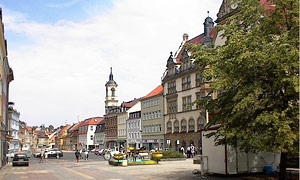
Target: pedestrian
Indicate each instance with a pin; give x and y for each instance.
(86, 153)
(80, 154)
(182, 150)
(77, 154)
(192, 150)
(188, 152)
(42, 157)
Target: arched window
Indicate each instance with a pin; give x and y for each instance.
(113, 91)
(176, 126)
(191, 125)
(183, 125)
(169, 127)
(200, 124)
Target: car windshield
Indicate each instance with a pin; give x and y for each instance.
(20, 155)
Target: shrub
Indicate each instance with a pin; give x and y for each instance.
(172, 154)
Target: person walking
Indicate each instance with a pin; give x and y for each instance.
(86, 153)
(77, 154)
(80, 154)
(188, 152)
(182, 150)
(42, 157)
(192, 151)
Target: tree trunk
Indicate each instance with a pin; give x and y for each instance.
(283, 159)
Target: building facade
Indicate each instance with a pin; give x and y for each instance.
(152, 119)
(14, 123)
(6, 77)
(182, 86)
(86, 133)
(134, 126)
(99, 139)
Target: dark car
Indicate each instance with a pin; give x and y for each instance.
(20, 159)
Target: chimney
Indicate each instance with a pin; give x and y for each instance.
(185, 37)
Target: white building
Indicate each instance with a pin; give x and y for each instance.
(13, 125)
(134, 126)
(87, 132)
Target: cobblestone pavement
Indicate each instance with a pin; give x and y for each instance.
(60, 169)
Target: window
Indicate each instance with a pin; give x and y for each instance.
(159, 128)
(198, 79)
(176, 126)
(187, 103)
(186, 82)
(91, 128)
(172, 106)
(200, 124)
(169, 127)
(183, 126)
(191, 125)
(171, 87)
(92, 137)
(200, 95)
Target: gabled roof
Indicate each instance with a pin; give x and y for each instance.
(129, 104)
(158, 90)
(196, 40)
(65, 128)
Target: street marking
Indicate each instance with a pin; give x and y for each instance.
(78, 173)
(35, 171)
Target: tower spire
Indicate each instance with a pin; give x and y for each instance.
(111, 77)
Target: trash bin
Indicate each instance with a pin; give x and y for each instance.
(124, 163)
(197, 159)
(269, 170)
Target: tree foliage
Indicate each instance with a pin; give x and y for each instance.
(256, 77)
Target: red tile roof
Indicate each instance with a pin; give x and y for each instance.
(196, 40)
(129, 104)
(156, 91)
(95, 121)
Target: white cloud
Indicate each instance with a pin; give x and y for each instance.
(61, 73)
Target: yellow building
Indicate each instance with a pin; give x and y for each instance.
(6, 76)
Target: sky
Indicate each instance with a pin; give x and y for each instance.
(61, 51)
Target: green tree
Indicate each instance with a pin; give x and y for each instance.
(256, 76)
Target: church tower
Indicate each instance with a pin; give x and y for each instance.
(111, 88)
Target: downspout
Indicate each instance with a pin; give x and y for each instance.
(226, 167)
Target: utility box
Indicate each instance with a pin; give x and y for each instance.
(225, 159)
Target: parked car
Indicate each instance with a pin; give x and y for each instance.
(20, 159)
(54, 153)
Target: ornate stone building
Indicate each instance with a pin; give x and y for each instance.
(183, 85)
